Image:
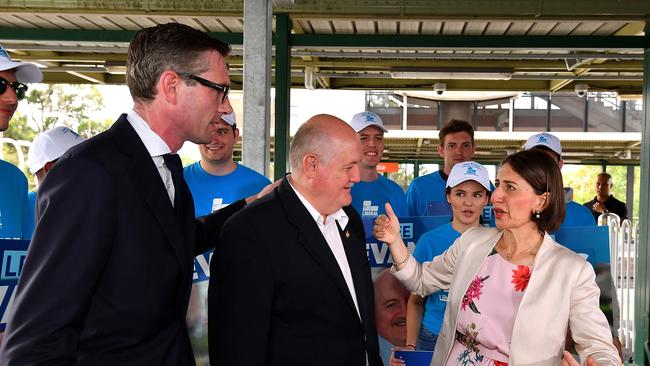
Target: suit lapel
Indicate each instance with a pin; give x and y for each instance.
(311, 238)
(147, 179)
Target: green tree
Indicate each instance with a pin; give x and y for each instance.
(44, 108)
(583, 182)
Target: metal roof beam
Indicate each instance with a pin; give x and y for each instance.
(91, 35)
(619, 43)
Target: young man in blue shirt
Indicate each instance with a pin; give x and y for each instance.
(14, 208)
(374, 190)
(427, 193)
(217, 180)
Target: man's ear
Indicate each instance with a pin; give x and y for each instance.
(309, 165)
(168, 86)
(440, 149)
(48, 166)
(236, 132)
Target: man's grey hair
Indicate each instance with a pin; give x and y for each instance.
(311, 139)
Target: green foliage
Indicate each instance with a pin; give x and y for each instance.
(19, 129)
(54, 105)
(583, 182)
(90, 128)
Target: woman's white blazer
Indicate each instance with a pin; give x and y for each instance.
(561, 293)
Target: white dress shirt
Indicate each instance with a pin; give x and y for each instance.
(331, 234)
(156, 147)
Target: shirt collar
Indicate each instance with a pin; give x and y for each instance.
(339, 215)
(155, 145)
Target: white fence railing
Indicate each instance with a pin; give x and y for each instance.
(623, 241)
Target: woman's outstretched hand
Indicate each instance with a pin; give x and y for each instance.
(568, 360)
(387, 227)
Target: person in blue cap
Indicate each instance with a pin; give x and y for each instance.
(467, 191)
(374, 190)
(14, 207)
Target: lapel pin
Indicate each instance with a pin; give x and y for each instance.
(347, 234)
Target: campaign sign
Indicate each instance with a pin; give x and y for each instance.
(438, 208)
(590, 241)
(13, 257)
(411, 229)
(202, 267)
(415, 358)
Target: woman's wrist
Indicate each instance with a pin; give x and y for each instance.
(400, 263)
(410, 346)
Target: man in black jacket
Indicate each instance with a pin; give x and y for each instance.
(290, 278)
(605, 200)
(109, 269)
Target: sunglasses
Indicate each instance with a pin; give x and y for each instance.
(19, 88)
(205, 82)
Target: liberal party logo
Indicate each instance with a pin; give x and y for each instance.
(370, 117)
(542, 139)
(471, 171)
(3, 53)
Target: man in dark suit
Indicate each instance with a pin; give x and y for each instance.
(109, 270)
(300, 293)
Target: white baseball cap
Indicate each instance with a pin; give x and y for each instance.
(229, 118)
(468, 170)
(50, 145)
(364, 119)
(544, 139)
(26, 72)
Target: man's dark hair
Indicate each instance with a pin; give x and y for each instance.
(606, 175)
(543, 174)
(171, 46)
(454, 126)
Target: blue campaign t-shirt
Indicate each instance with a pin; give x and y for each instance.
(14, 207)
(31, 222)
(425, 189)
(431, 244)
(369, 198)
(577, 215)
(212, 192)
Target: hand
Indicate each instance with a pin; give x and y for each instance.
(599, 207)
(396, 361)
(568, 360)
(387, 227)
(619, 346)
(266, 190)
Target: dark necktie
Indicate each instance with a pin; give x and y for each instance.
(173, 162)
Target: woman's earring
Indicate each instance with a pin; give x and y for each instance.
(537, 215)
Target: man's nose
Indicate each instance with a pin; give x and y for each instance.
(355, 175)
(225, 107)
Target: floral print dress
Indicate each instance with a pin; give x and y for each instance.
(487, 313)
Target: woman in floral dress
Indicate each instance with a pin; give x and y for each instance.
(513, 291)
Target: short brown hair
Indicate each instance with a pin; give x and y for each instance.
(171, 46)
(543, 174)
(454, 126)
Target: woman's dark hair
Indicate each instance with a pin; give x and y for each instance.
(543, 174)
